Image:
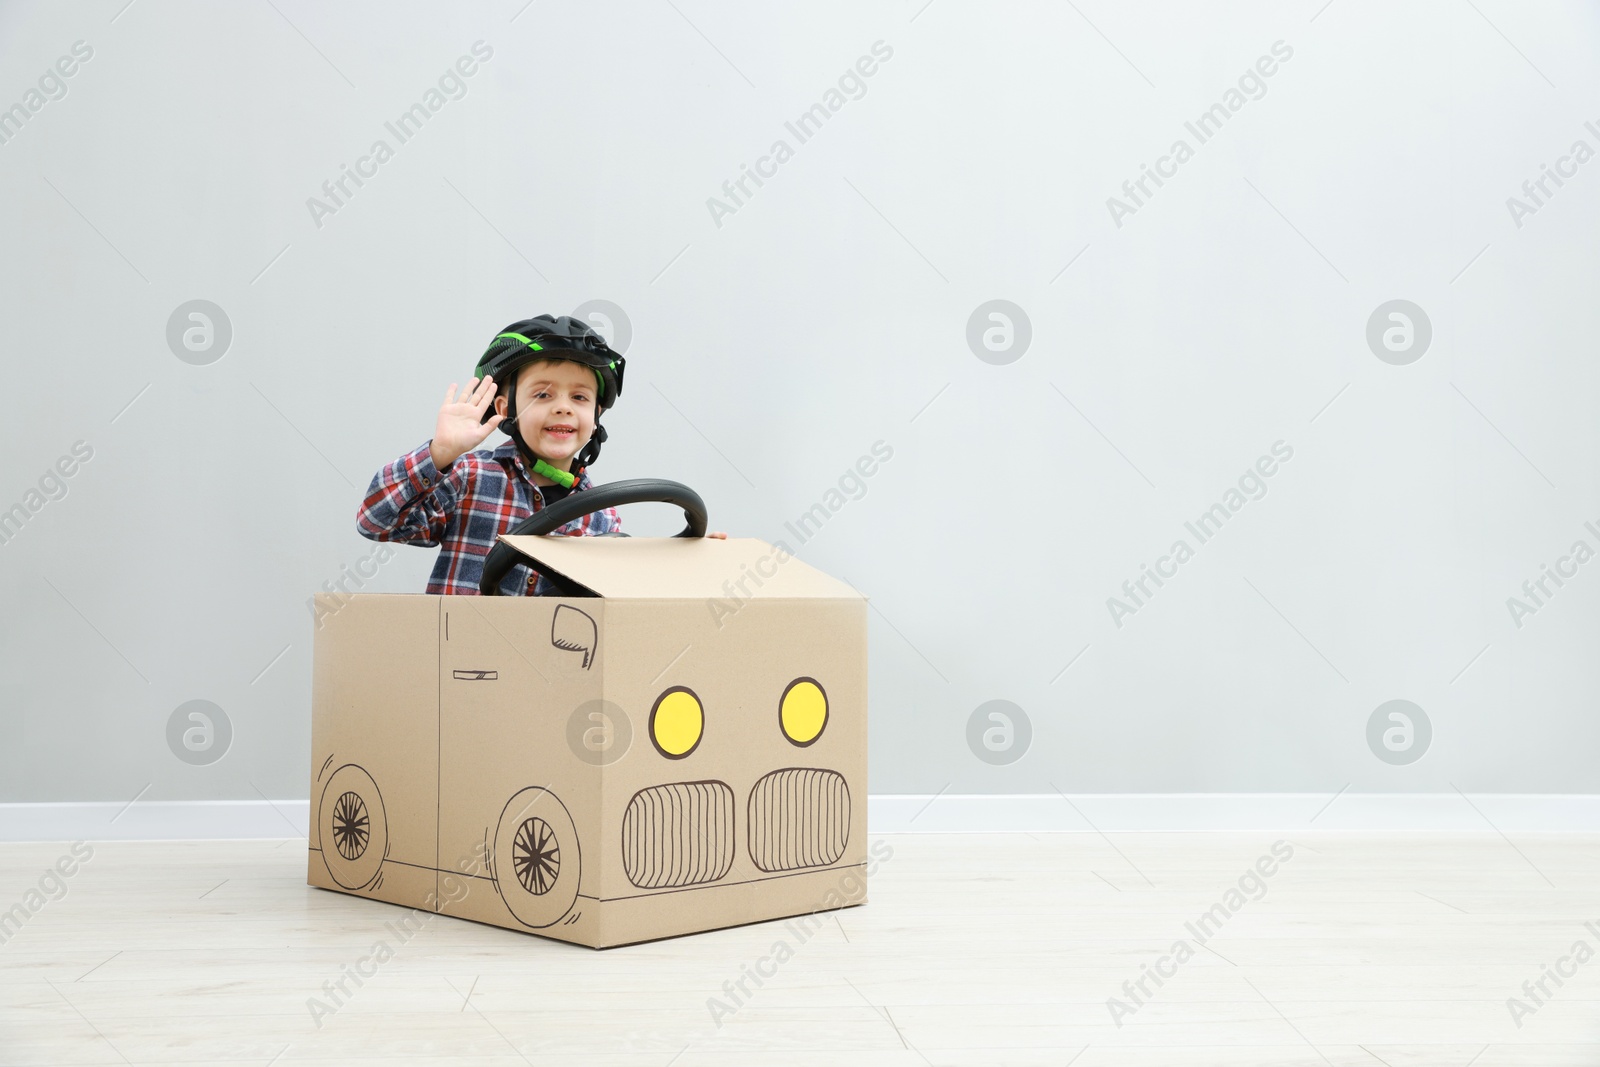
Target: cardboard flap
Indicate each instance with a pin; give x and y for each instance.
(657, 567)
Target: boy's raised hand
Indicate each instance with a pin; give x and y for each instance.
(461, 428)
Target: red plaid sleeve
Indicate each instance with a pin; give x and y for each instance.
(410, 501)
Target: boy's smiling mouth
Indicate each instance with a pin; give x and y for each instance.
(560, 432)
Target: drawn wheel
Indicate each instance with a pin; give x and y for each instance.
(351, 828)
(536, 856)
(536, 861)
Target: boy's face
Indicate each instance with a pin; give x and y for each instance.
(555, 409)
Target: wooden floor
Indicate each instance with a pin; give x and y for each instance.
(974, 949)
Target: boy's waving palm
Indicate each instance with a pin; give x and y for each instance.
(461, 426)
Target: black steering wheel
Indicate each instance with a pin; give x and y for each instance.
(502, 557)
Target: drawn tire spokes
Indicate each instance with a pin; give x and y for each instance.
(351, 827)
(352, 831)
(537, 856)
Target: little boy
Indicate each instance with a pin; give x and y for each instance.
(555, 377)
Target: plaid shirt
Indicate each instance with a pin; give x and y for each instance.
(465, 509)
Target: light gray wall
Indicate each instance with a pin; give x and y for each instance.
(771, 348)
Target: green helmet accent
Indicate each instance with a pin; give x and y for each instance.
(530, 342)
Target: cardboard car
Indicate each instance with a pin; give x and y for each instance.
(676, 743)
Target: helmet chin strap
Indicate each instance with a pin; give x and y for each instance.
(560, 477)
(591, 449)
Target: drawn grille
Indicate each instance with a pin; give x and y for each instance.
(799, 817)
(678, 834)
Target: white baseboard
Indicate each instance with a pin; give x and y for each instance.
(1231, 812)
(167, 820)
(154, 820)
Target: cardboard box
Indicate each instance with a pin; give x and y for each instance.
(684, 750)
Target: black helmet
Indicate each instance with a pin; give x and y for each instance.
(549, 337)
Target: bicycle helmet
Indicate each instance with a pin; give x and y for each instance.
(549, 337)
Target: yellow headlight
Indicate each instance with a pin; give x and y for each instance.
(803, 711)
(676, 722)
